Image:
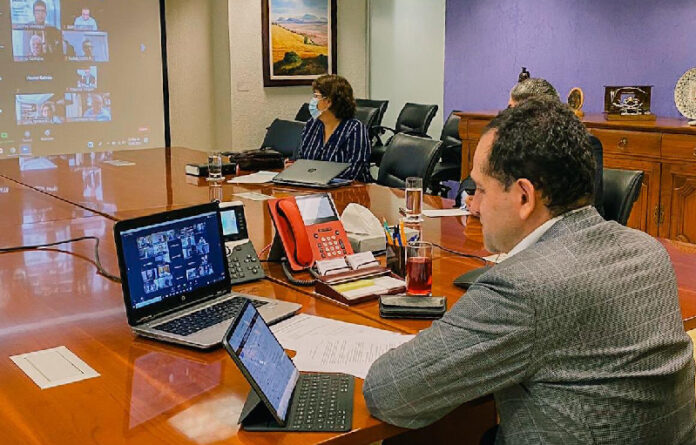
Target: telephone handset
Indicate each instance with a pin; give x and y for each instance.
(309, 229)
(296, 240)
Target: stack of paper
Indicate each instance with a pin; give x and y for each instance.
(326, 345)
(260, 177)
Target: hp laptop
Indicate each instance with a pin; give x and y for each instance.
(175, 277)
(316, 174)
(282, 398)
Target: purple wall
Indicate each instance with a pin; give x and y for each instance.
(587, 43)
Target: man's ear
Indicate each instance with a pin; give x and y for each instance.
(527, 196)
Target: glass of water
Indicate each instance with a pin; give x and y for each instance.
(414, 199)
(215, 166)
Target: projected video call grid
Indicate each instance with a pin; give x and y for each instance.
(38, 35)
(55, 59)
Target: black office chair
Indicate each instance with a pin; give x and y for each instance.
(414, 119)
(284, 136)
(381, 105)
(303, 114)
(621, 190)
(449, 168)
(408, 156)
(367, 115)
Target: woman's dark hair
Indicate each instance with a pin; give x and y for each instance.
(543, 141)
(338, 90)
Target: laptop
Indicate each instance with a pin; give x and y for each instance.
(316, 174)
(282, 398)
(175, 278)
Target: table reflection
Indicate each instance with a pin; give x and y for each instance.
(162, 381)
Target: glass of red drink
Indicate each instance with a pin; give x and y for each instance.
(419, 268)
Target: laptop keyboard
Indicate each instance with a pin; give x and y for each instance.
(209, 316)
(322, 402)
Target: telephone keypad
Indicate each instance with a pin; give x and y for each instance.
(330, 246)
(244, 264)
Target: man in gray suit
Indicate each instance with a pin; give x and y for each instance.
(578, 333)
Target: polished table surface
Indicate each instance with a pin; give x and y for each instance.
(72, 194)
(147, 392)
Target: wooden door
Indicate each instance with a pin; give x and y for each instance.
(679, 201)
(645, 213)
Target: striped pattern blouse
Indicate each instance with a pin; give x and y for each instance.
(349, 143)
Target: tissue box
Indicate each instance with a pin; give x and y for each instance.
(374, 243)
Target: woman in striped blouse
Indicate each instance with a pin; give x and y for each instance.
(333, 133)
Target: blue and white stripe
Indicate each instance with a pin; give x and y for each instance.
(349, 143)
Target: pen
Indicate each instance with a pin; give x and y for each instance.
(402, 234)
(390, 240)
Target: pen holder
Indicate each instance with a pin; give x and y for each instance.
(396, 259)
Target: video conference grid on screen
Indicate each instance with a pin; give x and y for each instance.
(63, 64)
(171, 258)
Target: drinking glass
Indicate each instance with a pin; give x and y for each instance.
(414, 199)
(419, 268)
(215, 166)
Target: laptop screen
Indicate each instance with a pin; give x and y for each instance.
(171, 258)
(263, 359)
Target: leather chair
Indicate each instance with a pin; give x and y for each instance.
(414, 119)
(408, 156)
(449, 168)
(381, 106)
(303, 114)
(284, 136)
(621, 190)
(367, 115)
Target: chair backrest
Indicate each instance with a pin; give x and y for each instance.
(367, 115)
(452, 150)
(303, 114)
(381, 105)
(284, 136)
(415, 118)
(408, 156)
(621, 190)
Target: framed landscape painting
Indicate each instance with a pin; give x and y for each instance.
(299, 41)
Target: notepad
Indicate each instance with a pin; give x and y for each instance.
(349, 262)
(369, 286)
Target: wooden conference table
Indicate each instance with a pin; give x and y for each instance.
(150, 392)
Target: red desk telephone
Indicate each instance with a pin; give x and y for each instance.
(309, 229)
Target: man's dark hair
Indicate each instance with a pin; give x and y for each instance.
(533, 87)
(543, 141)
(39, 3)
(339, 91)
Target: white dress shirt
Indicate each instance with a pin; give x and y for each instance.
(538, 233)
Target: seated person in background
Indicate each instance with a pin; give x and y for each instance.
(536, 87)
(96, 108)
(84, 21)
(333, 133)
(578, 334)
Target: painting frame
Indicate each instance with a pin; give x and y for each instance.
(271, 79)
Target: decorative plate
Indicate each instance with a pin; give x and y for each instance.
(685, 94)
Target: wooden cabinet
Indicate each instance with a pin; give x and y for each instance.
(665, 150)
(678, 201)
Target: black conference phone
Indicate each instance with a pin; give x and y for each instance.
(242, 259)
